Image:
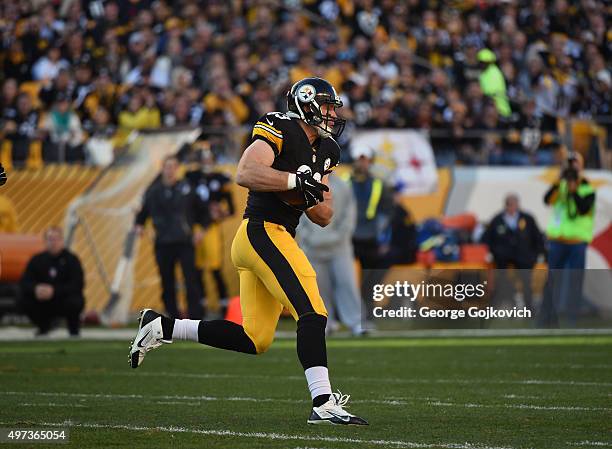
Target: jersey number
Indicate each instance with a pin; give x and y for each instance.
(280, 115)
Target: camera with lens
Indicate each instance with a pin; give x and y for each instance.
(570, 173)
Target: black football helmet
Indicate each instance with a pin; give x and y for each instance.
(305, 99)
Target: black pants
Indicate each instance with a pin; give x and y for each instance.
(372, 269)
(42, 313)
(504, 289)
(54, 152)
(220, 284)
(167, 255)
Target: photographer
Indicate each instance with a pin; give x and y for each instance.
(569, 232)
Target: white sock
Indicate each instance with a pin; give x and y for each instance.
(318, 381)
(185, 330)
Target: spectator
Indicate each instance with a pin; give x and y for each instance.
(331, 253)
(99, 147)
(23, 128)
(104, 93)
(47, 67)
(8, 102)
(373, 207)
(401, 246)
(222, 98)
(52, 285)
(467, 67)
(65, 135)
(62, 84)
(227, 60)
(514, 240)
(492, 82)
(142, 113)
(214, 188)
(174, 208)
(569, 231)
(18, 65)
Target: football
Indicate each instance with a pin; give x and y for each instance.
(292, 197)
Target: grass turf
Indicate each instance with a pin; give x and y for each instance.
(529, 392)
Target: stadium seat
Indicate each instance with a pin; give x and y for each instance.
(32, 88)
(35, 160)
(464, 222)
(474, 254)
(6, 154)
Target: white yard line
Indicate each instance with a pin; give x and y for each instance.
(196, 400)
(14, 333)
(472, 381)
(49, 404)
(184, 400)
(521, 396)
(520, 406)
(268, 436)
(571, 365)
(591, 443)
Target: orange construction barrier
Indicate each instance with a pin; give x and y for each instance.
(234, 313)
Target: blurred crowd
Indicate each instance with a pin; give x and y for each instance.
(73, 70)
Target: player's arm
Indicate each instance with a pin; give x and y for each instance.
(323, 212)
(255, 170)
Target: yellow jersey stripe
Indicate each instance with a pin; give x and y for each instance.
(272, 129)
(268, 136)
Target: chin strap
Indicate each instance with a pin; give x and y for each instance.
(322, 132)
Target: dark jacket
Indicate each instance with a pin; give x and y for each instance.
(403, 245)
(64, 272)
(519, 246)
(174, 210)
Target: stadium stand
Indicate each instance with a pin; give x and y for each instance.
(140, 64)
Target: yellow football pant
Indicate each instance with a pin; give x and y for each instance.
(274, 272)
(209, 252)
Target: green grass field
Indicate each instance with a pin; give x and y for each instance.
(529, 392)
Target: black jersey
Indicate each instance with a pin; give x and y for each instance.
(212, 187)
(292, 153)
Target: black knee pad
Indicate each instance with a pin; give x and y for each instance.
(311, 340)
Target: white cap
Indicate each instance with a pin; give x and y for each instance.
(362, 151)
(604, 76)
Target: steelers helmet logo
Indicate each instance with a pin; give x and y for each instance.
(306, 93)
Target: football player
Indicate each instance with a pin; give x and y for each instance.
(215, 188)
(285, 169)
